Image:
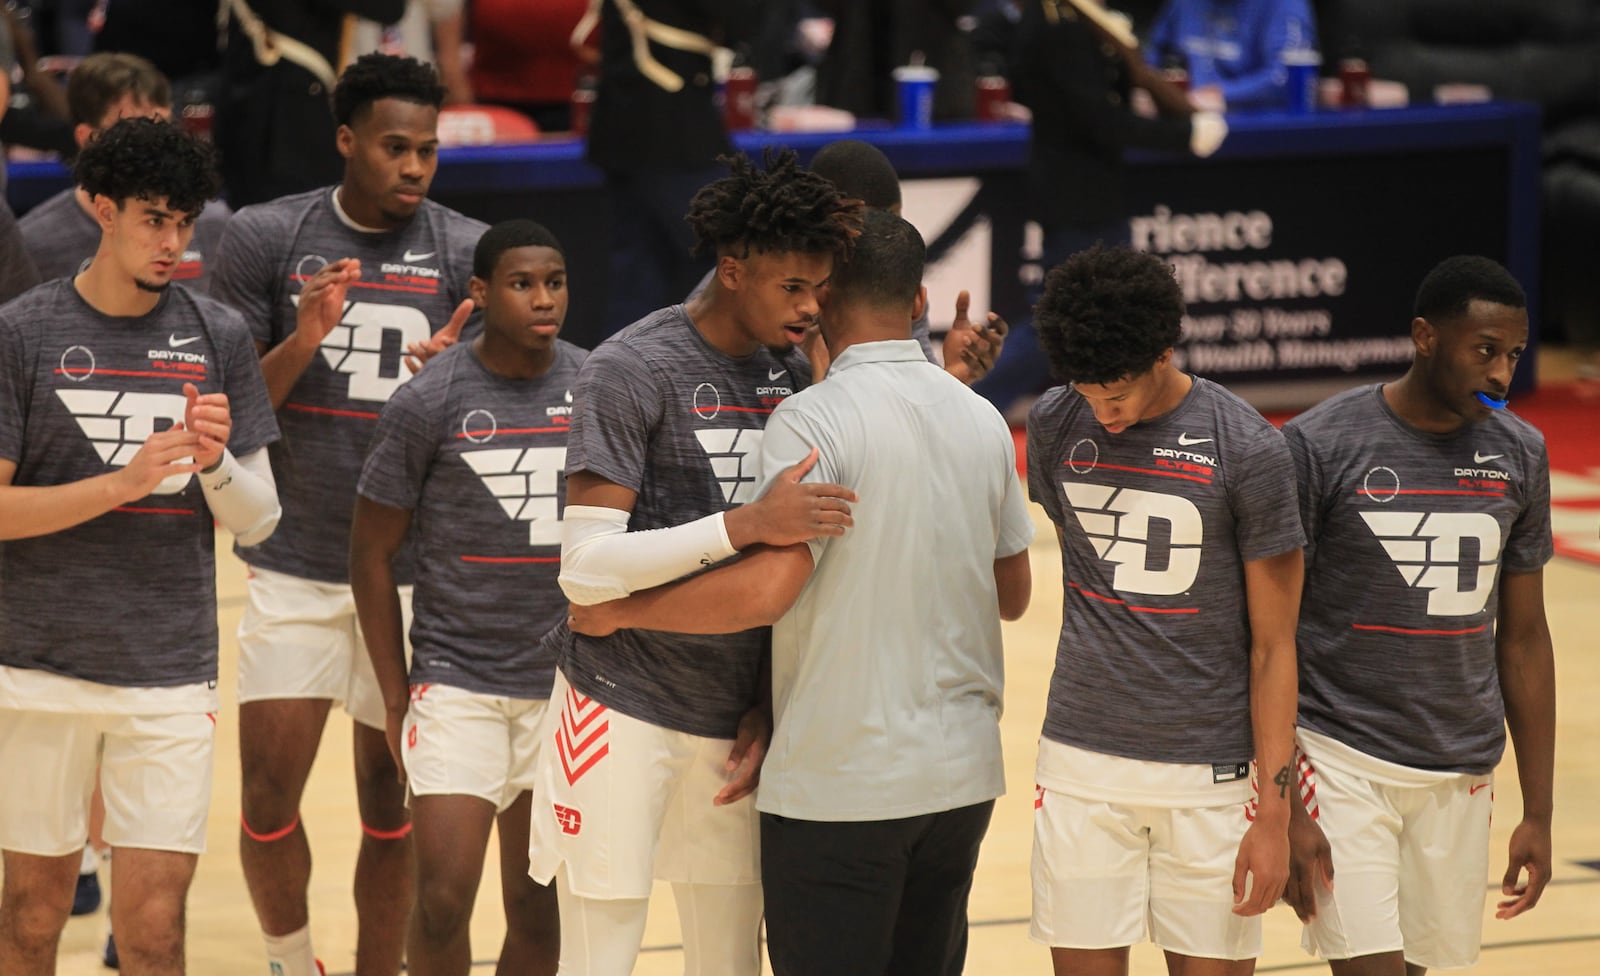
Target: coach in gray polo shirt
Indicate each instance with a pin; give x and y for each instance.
(886, 658)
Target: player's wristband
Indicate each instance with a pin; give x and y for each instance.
(602, 561)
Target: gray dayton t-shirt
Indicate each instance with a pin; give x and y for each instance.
(478, 459)
(63, 239)
(128, 598)
(1157, 523)
(411, 281)
(662, 412)
(1409, 534)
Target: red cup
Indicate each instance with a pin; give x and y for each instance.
(994, 94)
(1354, 80)
(739, 99)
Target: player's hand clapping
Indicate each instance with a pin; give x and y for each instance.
(207, 416)
(164, 454)
(322, 301)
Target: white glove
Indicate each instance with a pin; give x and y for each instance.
(1207, 130)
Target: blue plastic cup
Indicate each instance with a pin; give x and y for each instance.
(915, 84)
(1300, 80)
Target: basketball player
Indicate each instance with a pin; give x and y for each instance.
(660, 736)
(61, 233)
(466, 461)
(132, 415)
(1174, 502)
(1427, 513)
(887, 665)
(334, 282)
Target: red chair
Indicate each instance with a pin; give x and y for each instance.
(483, 125)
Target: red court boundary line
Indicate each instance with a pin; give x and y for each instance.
(304, 408)
(1164, 474)
(1421, 633)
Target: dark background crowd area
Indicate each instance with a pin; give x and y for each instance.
(1543, 51)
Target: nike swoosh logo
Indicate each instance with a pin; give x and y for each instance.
(1483, 458)
(175, 342)
(1187, 441)
(1472, 791)
(419, 257)
(773, 374)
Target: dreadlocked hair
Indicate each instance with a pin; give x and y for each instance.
(778, 208)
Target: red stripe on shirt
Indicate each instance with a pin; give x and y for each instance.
(1164, 474)
(511, 559)
(1426, 633)
(132, 372)
(306, 408)
(470, 434)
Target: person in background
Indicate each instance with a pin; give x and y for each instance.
(430, 31)
(1233, 49)
(523, 57)
(873, 37)
(61, 233)
(275, 124)
(656, 133)
(1078, 81)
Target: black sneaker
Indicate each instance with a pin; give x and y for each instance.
(109, 956)
(87, 898)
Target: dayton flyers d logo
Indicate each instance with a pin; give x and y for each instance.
(735, 454)
(1426, 549)
(523, 480)
(356, 346)
(1118, 524)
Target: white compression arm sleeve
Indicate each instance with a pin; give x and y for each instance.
(602, 561)
(242, 496)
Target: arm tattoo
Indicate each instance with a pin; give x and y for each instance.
(1282, 782)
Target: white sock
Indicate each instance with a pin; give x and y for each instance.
(291, 954)
(91, 860)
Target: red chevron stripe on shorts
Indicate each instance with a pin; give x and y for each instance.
(579, 747)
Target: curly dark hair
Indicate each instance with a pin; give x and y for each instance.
(1454, 282)
(776, 209)
(147, 159)
(506, 236)
(1108, 313)
(374, 76)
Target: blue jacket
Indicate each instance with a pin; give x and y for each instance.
(1234, 44)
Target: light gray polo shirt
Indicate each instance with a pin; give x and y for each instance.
(887, 672)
